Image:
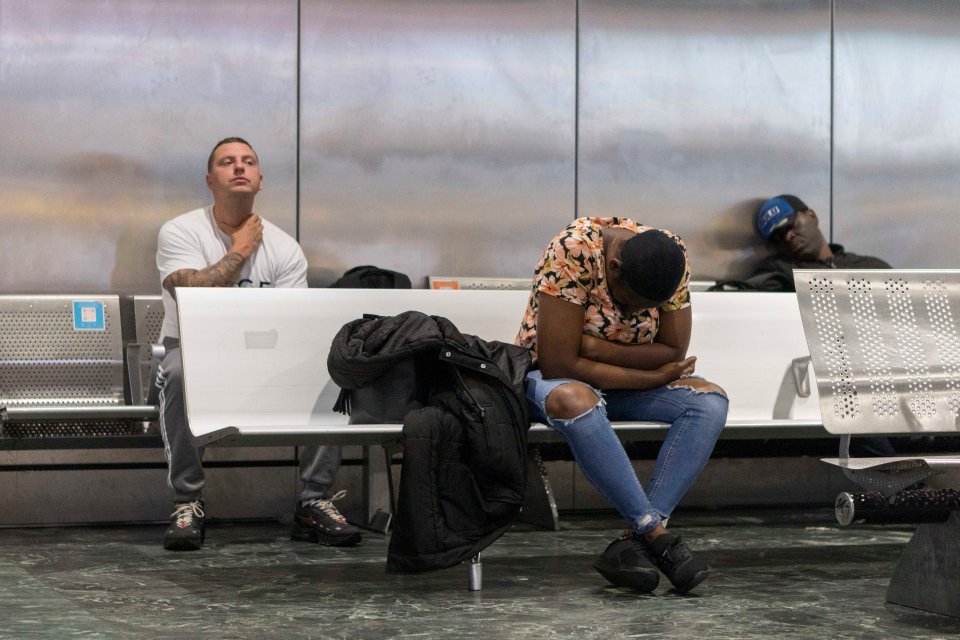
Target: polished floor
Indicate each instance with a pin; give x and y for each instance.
(775, 575)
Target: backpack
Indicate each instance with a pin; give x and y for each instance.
(394, 395)
(370, 277)
(771, 281)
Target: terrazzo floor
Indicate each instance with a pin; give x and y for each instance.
(775, 575)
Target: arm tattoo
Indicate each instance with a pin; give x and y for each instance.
(220, 274)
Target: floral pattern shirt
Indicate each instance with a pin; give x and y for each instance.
(573, 269)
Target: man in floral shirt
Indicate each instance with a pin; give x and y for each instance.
(609, 322)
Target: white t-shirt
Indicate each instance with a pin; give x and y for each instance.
(193, 241)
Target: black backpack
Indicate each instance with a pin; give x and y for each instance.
(393, 396)
(370, 277)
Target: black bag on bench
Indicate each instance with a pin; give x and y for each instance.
(370, 277)
(395, 392)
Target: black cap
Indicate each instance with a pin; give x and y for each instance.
(653, 264)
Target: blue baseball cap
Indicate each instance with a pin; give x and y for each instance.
(774, 213)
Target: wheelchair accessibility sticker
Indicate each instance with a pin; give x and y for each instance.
(88, 316)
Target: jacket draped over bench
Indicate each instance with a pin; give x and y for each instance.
(465, 428)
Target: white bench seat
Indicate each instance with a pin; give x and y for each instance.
(255, 361)
(255, 372)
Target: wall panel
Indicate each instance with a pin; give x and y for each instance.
(109, 111)
(897, 130)
(691, 112)
(437, 136)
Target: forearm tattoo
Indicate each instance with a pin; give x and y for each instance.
(220, 274)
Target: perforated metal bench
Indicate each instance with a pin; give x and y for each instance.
(61, 372)
(885, 347)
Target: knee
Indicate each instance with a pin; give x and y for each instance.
(170, 370)
(571, 400)
(714, 406)
(710, 399)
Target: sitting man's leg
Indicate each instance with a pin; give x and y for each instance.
(697, 412)
(317, 518)
(579, 413)
(184, 460)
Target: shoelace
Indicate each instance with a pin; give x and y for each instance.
(676, 553)
(184, 513)
(328, 507)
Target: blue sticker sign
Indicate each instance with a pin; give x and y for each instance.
(88, 316)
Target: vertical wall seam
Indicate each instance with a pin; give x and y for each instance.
(833, 11)
(576, 111)
(297, 123)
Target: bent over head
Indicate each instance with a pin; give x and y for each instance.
(652, 265)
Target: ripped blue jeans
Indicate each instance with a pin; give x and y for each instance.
(695, 417)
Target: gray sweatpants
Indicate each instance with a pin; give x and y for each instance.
(318, 465)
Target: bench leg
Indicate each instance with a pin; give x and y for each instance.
(539, 504)
(377, 489)
(476, 574)
(927, 576)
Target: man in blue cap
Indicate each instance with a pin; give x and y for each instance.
(792, 229)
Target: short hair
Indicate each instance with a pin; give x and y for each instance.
(653, 264)
(227, 141)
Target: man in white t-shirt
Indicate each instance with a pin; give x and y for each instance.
(225, 245)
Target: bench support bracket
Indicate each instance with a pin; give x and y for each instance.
(927, 577)
(379, 502)
(539, 504)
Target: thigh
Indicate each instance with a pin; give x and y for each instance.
(662, 404)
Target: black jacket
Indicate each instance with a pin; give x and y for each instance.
(779, 270)
(464, 429)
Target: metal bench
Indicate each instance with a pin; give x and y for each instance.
(61, 372)
(885, 347)
(145, 353)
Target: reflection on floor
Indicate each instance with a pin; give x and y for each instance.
(775, 575)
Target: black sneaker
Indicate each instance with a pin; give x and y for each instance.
(186, 530)
(677, 562)
(319, 521)
(627, 563)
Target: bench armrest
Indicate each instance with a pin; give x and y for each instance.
(140, 388)
(110, 412)
(800, 367)
(794, 384)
